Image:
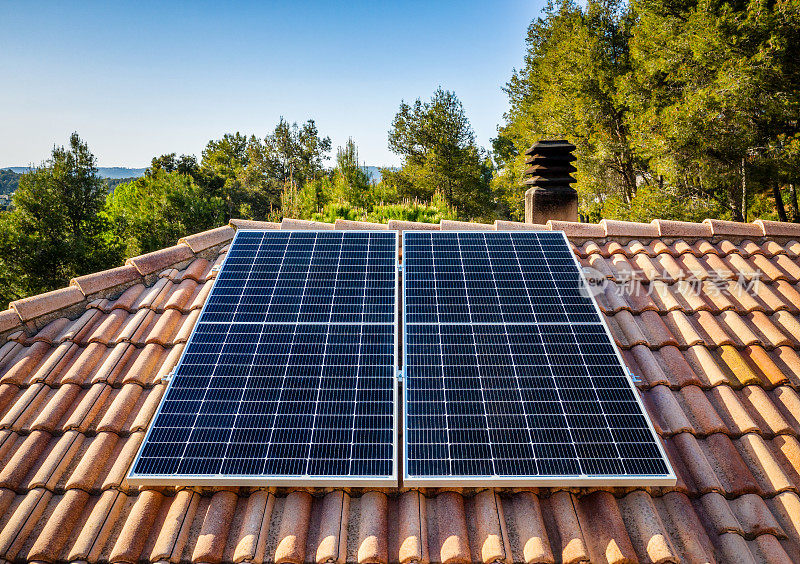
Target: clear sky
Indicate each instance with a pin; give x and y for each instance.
(143, 79)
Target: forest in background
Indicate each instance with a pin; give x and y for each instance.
(679, 110)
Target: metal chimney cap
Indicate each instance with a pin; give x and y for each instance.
(554, 145)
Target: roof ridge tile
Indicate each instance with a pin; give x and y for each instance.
(778, 228)
(502, 225)
(204, 240)
(724, 228)
(617, 228)
(305, 224)
(152, 263)
(120, 277)
(403, 225)
(577, 230)
(252, 224)
(674, 228)
(42, 305)
(453, 225)
(349, 224)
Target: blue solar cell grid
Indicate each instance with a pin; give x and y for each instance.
(306, 277)
(289, 375)
(510, 373)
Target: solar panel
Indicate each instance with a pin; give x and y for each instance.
(289, 375)
(511, 376)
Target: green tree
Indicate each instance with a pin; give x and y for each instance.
(221, 166)
(568, 88)
(351, 182)
(440, 155)
(251, 174)
(55, 231)
(295, 154)
(157, 209)
(717, 96)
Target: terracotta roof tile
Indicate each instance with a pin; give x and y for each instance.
(249, 224)
(360, 225)
(778, 228)
(681, 326)
(769, 419)
(501, 225)
(181, 295)
(122, 457)
(669, 228)
(9, 319)
(157, 261)
(787, 400)
(647, 533)
(667, 413)
(174, 532)
(719, 375)
(150, 297)
(98, 526)
(332, 513)
(614, 228)
(577, 230)
(600, 517)
(529, 528)
(130, 542)
(303, 224)
(451, 545)
(44, 304)
(214, 532)
(451, 225)
(199, 242)
(22, 522)
(53, 537)
(293, 530)
(412, 528)
(764, 465)
(106, 280)
(400, 225)
(730, 409)
(792, 248)
(571, 546)
(84, 414)
(255, 528)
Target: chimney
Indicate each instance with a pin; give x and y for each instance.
(550, 195)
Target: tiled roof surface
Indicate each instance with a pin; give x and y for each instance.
(80, 379)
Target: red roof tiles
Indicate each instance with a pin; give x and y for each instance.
(81, 374)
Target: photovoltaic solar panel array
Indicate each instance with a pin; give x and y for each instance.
(510, 375)
(289, 375)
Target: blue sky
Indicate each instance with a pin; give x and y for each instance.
(145, 79)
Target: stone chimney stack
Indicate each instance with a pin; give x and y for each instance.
(548, 175)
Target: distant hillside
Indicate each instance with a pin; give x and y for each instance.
(9, 180)
(103, 172)
(9, 177)
(374, 172)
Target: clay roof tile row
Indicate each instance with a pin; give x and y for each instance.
(82, 369)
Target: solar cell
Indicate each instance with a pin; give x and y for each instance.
(511, 376)
(289, 374)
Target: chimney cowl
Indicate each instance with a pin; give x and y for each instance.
(550, 195)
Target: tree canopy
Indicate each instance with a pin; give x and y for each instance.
(55, 230)
(678, 109)
(440, 156)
